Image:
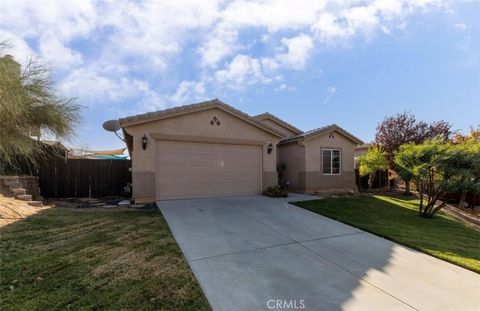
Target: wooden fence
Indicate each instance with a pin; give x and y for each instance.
(61, 178)
(380, 180)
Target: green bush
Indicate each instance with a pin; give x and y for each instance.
(276, 192)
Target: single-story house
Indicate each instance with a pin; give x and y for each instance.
(318, 160)
(201, 150)
(212, 149)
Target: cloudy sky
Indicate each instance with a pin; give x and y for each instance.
(310, 62)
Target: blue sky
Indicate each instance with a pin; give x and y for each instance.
(309, 62)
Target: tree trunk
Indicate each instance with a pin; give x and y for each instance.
(407, 187)
(420, 207)
(371, 178)
(463, 199)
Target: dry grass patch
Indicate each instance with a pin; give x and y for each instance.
(88, 259)
(12, 210)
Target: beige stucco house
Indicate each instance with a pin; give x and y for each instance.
(212, 149)
(318, 160)
(202, 150)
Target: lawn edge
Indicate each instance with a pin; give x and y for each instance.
(389, 238)
(185, 258)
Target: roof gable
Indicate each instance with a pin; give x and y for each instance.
(187, 109)
(271, 117)
(321, 131)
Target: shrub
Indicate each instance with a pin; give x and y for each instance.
(276, 192)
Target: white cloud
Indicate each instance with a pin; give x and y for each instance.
(329, 28)
(460, 26)
(218, 45)
(67, 19)
(155, 30)
(92, 86)
(238, 43)
(331, 90)
(298, 51)
(16, 46)
(55, 53)
(188, 91)
(274, 15)
(285, 87)
(242, 71)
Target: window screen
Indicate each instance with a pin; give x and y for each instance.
(331, 161)
(327, 160)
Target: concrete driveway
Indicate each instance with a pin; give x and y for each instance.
(257, 253)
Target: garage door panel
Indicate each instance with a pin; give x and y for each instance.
(204, 178)
(188, 170)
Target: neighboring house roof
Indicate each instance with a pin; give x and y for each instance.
(321, 131)
(104, 157)
(177, 111)
(114, 154)
(277, 120)
(363, 147)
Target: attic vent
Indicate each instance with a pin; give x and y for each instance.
(331, 136)
(215, 121)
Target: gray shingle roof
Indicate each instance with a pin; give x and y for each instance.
(320, 131)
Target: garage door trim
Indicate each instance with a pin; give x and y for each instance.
(204, 140)
(207, 140)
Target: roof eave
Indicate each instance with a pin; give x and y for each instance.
(146, 118)
(338, 129)
(323, 132)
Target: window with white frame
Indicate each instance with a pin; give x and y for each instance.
(331, 161)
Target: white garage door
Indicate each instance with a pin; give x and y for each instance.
(193, 170)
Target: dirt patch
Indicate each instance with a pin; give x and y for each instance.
(12, 210)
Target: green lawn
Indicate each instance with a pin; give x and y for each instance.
(396, 218)
(90, 259)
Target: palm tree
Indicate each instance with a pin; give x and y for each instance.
(28, 101)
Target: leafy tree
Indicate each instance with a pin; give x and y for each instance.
(472, 139)
(439, 168)
(28, 101)
(395, 131)
(373, 160)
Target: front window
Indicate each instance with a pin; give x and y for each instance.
(331, 161)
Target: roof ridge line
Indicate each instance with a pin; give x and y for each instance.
(278, 120)
(321, 130)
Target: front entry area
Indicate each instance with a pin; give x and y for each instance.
(196, 170)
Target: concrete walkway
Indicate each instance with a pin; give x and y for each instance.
(257, 253)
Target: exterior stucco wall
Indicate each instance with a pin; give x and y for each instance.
(315, 180)
(196, 124)
(279, 128)
(359, 151)
(292, 157)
